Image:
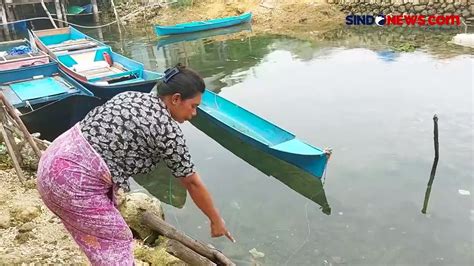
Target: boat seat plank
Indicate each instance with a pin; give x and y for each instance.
(296, 146)
(11, 96)
(38, 88)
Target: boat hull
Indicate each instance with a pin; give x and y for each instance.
(53, 119)
(312, 162)
(203, 25)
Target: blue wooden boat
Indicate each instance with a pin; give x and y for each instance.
(94, 64)
(19, 53)
(203, 25)
(49, 101)
(263, 134)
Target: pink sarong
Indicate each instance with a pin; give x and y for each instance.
(75, 183)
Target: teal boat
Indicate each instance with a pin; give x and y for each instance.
(203, 25)
(95, 65)
(48, 101)
(262, 134)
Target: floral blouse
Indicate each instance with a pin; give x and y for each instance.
(134, 131)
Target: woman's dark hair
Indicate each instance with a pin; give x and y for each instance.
(182, 80)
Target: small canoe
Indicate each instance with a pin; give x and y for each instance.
(262, 134)
(19, 53)
(203, 25)
(46, 98)
(94, 64)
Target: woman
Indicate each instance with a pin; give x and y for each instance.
(80, 172)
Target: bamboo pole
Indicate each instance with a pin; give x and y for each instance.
(22, 126)
(49, 14)
(157, 224)
(435, 164)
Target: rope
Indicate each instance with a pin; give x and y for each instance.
(83, 26)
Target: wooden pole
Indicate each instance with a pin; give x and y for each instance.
(59, 12)
(435, 164)
(117, 18)
(5, 19)
(49, 14)
(95, 10)
(26, 134)
(157, 224)
(63, 8)
(186, 254)
(10, 149)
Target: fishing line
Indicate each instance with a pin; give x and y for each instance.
(307, 236)
(171, 202)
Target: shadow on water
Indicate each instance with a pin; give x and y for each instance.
(303, 183)
(161, 184)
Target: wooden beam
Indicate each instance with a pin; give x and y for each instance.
(186, 254)
(167, 230)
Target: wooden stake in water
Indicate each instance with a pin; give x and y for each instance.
(435, 164)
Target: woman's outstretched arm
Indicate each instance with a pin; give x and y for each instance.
(202, 198)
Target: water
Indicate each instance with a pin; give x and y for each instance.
(350, 90)
(374, 107)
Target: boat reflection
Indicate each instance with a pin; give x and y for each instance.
(202, 34)
(298, 180)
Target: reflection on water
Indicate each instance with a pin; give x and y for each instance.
(303, 183)
(165, 41)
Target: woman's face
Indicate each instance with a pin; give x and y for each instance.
(183, 110)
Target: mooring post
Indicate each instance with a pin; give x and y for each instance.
(5, 19)
(95, 10)
(63, 8)
(59, 12)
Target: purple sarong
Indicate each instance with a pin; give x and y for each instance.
(75, 183)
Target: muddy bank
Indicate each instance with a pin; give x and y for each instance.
(299, 19)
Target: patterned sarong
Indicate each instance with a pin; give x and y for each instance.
(75, 183)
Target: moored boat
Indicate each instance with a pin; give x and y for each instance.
(94, 64)
(262, 134)
(48, 100)
(20, 53)
(194, 26)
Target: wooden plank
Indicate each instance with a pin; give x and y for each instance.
(49, 32)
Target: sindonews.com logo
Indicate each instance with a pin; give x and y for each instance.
(400, 20)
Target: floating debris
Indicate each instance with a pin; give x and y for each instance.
(464, 192)
(256, 254)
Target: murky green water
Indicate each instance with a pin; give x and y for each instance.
(351, 91)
